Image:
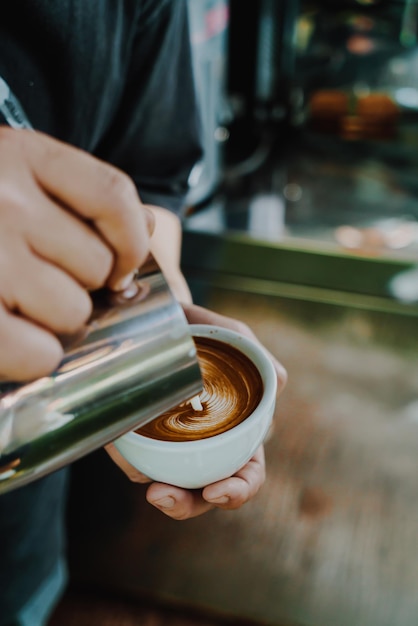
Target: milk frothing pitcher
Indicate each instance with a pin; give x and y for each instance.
(134, 360)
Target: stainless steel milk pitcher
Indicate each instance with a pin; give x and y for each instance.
(135, 360)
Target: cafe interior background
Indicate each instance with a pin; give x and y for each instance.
(302, 222)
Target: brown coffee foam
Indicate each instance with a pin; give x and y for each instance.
(232, 390)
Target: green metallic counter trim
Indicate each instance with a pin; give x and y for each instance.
(241, 284)
(237, 257)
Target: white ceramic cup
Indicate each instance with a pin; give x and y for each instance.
(197, 463)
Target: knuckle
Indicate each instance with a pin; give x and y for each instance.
(9, 136)
(119, 187)
(15, 142)
(12, 202)
(15, 209)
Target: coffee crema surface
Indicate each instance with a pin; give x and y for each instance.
(232, 390)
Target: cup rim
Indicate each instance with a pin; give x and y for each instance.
(258, 354)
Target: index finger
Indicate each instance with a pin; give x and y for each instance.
(97, 192)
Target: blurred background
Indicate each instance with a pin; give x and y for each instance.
(302, 220)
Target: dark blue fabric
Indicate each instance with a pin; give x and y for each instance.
(32, 539)
(113, 77)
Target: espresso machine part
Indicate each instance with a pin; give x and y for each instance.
(208, 33)
(134, 360)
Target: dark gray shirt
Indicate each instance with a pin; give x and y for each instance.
(112, 77)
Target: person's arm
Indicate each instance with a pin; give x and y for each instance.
(235, 491)
(166, 248)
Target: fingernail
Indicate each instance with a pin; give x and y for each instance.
(131, 291)
(124, 283)
(165, 503)
(220, 500)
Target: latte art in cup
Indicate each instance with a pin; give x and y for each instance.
(193, 448)
(233, 388)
